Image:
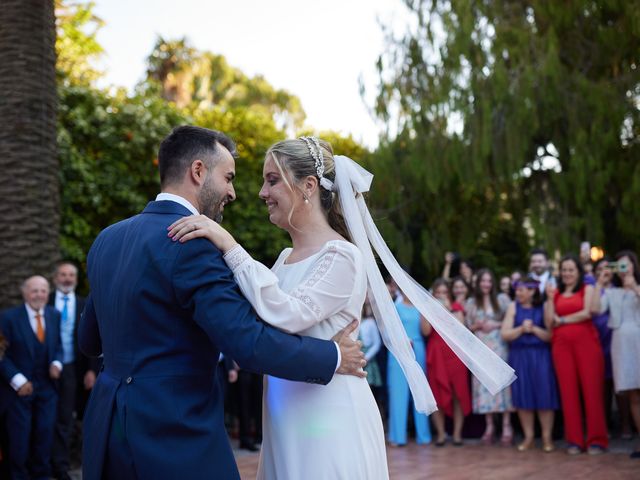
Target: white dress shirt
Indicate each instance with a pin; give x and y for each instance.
(186, 204)
(18, 380)
(178, 199)
(543, 279)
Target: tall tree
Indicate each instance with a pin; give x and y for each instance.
(77, 47)
(29, 211)
(529, 109)
(189, 77)
(108, 140)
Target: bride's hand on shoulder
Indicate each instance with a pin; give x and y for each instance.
(200, 226)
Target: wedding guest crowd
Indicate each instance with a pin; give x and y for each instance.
(562, 339)
(573, 341)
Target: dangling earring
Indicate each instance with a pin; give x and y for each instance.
(306, 199)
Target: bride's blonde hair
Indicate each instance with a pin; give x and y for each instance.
(294, 161)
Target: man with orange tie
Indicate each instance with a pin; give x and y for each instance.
(30, 365)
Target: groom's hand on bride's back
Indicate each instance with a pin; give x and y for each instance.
(352, 357)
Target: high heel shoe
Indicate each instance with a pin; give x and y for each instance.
(525, 445)
(487, 438)
(548, 447)
(507, 435)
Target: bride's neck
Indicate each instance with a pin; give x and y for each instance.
(312, 232)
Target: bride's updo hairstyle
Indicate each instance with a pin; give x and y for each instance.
(304, 157)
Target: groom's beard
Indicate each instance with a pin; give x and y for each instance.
(211, 202)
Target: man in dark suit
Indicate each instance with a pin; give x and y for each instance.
(161, 312)
(78, 373)
(31, 364)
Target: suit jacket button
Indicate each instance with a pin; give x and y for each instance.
(129, 380)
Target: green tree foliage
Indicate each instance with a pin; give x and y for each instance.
(76, 45)
(186, 76)
(108, 147)
(515, 117)
(108, 141)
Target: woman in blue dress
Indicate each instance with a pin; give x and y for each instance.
(530, 356)
(416, 326)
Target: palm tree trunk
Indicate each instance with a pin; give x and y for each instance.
(29, 186)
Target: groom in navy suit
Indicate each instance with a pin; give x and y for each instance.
(161, 312)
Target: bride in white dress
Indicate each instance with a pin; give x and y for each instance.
(316, 289)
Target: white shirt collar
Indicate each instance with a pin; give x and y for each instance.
(32, 313)
(542, 277)
(60, 295)
(178, 199)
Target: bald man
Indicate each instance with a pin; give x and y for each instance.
(32, 363)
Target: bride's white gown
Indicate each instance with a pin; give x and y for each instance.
(313, 431)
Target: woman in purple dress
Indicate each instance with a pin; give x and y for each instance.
(530, 356)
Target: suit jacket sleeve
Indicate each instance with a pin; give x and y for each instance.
(88, 332)
(229, 364)
(205, 285)
(8, 369)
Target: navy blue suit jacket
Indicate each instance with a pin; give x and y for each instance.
(160, 312)
(18, 358)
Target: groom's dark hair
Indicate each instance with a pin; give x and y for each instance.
(184, 145)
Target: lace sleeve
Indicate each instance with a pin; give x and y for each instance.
(325, 290)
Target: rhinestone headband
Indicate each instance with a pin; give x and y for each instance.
(316, 154)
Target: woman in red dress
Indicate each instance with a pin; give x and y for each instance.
(577, 358)
(447, 375)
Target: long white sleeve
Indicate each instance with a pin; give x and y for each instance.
(321, 293)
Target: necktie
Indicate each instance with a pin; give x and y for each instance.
(39, 328)
(65, 309)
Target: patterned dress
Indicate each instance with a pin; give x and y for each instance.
(482, 400)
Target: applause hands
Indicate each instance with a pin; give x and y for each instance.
(527, 326)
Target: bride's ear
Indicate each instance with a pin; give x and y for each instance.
(310, 185)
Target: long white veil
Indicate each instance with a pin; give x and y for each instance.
(351, 181)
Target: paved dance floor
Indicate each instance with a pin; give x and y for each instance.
(475, 461)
